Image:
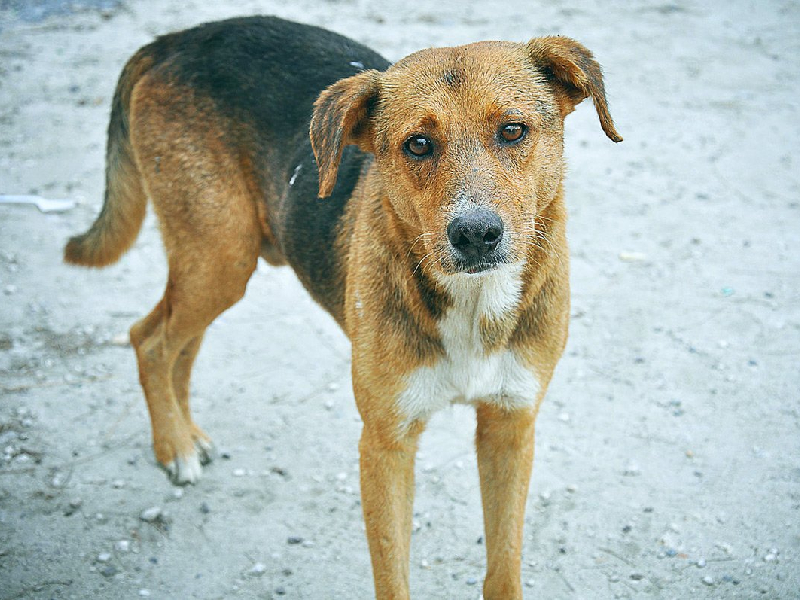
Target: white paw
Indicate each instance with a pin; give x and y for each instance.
(185, 469)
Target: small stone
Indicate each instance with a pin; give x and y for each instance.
(118, 484)
(530, 583)
(631, 470)
(614, 578)
(701, 563)
(204, 508)
(280, 590)
(109, 571)
(332, 387)
(632, 257)
(572, 488)
(10, 289)
(239, 472)
(257, 570)
(471, 581)
(308, 544)
(177, 494)
(294, 540)
(151, 514)
(121, 339)
(143, 593)
(122, 546)
(637, 576)
(708, 580)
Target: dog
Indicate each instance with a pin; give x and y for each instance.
(420, 203)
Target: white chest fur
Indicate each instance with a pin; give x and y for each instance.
(467, 373)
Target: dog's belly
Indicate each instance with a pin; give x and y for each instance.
(467, 373)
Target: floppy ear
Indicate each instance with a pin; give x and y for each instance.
(342, 117)
(573, 68)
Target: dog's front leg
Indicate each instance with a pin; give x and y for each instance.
(387, 496)
(504, 440)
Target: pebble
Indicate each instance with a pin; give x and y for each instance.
(632, 257)
(74, 506)
(530, 583)
(103, 557)
(204, 508)
(280, 590)
(10, 289)
(109, 571)
(239, 472)
(631, 469)
(121, 339)
(143, 593)
(701, 563)
(118, 484)
(294, 540)
(637, 576)
(177, 494)
(257, 570)
(150, 514)
(471, 581)
(122, 546)
(708, 580)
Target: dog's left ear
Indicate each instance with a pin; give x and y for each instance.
(573, 69)
(342, 117)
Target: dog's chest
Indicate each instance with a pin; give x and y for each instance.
(467, 373)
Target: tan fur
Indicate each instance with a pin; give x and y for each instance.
(394, 255)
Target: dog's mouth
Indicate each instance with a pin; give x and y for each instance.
(481, 268)
(476, 268)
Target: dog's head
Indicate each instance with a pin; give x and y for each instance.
(468, 141)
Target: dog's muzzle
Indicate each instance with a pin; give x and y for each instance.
(475, 238)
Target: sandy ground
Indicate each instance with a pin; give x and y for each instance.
(668, 449)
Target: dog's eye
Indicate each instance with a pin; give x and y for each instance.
(419, 146)
(513, 132)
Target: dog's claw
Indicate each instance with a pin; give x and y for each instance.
(206, 451)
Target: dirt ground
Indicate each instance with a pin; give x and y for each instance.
(668, 449)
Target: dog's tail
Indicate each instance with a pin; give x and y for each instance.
(125, 202)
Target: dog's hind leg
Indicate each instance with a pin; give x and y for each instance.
(166, 343)
(209, 223)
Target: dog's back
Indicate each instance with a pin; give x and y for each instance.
(255, 79)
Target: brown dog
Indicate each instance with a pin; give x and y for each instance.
(439, 246)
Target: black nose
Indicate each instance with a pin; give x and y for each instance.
(475, 233)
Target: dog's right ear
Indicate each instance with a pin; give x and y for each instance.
(342, 116)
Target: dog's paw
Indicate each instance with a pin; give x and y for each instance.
(185, 469)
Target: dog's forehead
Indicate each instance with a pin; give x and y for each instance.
(482, 76)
